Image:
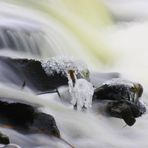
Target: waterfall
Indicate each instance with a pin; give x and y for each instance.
(36, 38)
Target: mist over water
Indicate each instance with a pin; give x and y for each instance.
(82, 130)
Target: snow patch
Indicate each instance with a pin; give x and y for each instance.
(61, 64)
(119, 81)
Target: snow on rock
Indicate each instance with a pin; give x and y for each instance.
(61, 64)
(119, 81)
(131, 90)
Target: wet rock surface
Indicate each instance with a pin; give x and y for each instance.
(121, 99)
(125, 110)
(4, 139)
(29, 73)
(26, 119)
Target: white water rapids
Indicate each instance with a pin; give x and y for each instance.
(82, 130)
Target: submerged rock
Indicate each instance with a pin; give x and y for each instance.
(121, 99)
(26, 119)
(4, 139)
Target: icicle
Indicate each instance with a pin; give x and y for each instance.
(81, 92)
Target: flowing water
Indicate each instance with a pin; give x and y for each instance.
(82, 130)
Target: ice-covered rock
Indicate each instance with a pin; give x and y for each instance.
(76, 71)
(61, 64)
(119, 81)
(117, 89)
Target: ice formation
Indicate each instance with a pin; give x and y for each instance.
(81, 92)
(61, 64)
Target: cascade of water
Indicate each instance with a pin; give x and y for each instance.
(80, 129)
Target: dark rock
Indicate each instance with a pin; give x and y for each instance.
(118, 89)
(121, 99)
(4, 139)
(45, 124)
(29, 73)
(126, 110)
(27, 119)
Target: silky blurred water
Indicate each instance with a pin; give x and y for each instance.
(82, 130)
